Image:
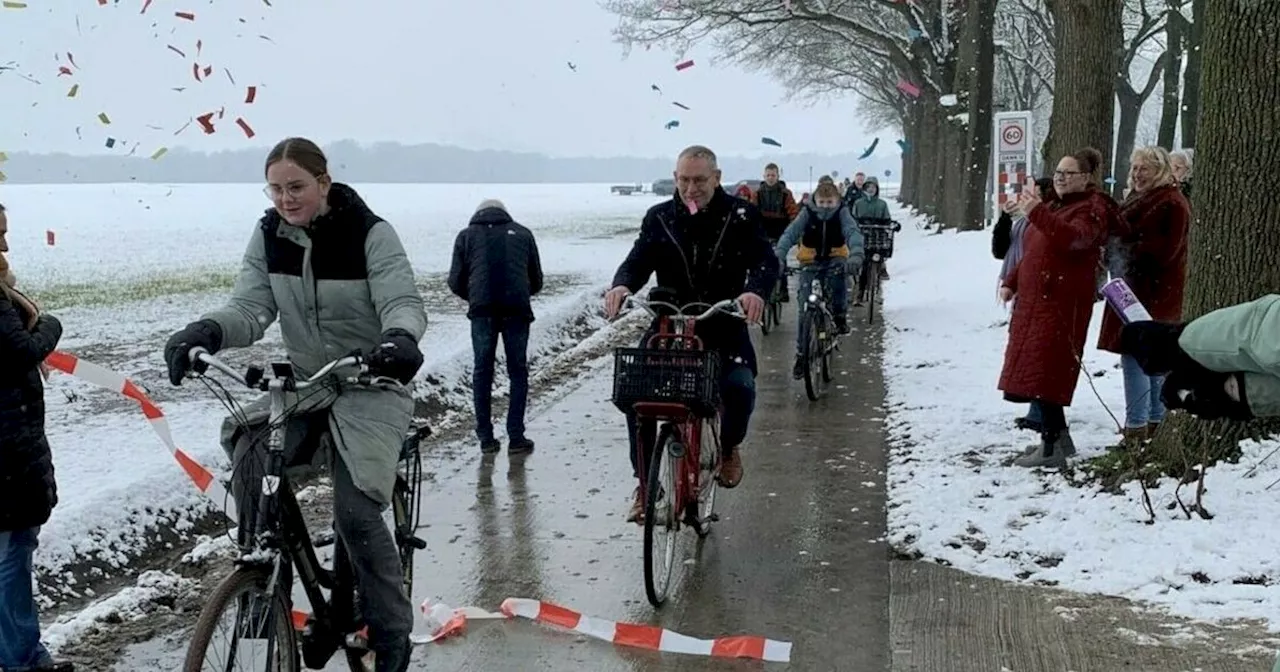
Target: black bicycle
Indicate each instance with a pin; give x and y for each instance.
(819, 335)
(877, 242)
(773, 309)
(255, 602)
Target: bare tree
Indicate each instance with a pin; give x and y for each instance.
(1089, 39)
(753, 32)
(1024, 36)
(1144, 20)
(1191, 78)
(1175, 30)
(1233, 240)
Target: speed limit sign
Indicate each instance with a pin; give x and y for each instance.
(1012, 139)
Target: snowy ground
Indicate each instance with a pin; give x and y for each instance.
(953, 499)
(134, 262)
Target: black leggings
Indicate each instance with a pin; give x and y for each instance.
(1054, 417)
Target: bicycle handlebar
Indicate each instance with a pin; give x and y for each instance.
(727, 306)
(255, 378)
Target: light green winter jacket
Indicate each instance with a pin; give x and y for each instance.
(1244, 337)
(870, 207)
(336, 287)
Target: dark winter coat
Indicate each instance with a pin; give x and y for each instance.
(1054, 286)
(496, 267)
(777, 207)
(1153, 257)
(716, 254)
(28, 492)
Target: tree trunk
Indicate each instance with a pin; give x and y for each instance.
(908, 192)
(1126, 133)
(1233, 240)
(980, 21)
(1191, 93)
(953, 182)
(1090, 41)
(929, 159)
(1172, 77)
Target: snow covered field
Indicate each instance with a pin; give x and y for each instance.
(132, 263)
(952, 499)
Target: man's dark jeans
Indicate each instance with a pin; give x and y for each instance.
(514, 332)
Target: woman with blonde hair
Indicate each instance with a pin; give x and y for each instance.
(1152, 259)
(1183, 163)
(28, 491)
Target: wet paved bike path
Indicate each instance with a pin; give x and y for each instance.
(798, 555)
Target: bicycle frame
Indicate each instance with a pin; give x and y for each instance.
(280, 537)
(676, 332)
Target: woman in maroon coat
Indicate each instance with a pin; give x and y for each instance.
(1153, 260)
(1055, 286)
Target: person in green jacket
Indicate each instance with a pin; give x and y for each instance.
(1225, 364)
(869, 207)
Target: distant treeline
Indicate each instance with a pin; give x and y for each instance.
(396, 163)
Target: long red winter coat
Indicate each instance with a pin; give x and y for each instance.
(1055, 286)
(1155, 252)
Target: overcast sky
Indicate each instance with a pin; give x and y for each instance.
(488, 74)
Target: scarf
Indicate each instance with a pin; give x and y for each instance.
(25, 304)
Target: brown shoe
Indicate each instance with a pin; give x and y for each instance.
(1134, 437)
(1151, 429)
(731, 469)
(636, 513)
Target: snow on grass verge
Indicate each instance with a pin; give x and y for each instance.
(154, 591)
(954, 500)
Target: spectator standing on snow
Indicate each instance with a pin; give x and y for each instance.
(1055, 287)
(496, 270)
(1183, 162)
(28, 490)
(1007, 242)
(1152, 258)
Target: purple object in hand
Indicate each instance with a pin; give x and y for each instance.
(1123, 302)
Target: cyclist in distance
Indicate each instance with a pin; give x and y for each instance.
(337, 277)
(777, 208)
(705, 246)
(829, 241)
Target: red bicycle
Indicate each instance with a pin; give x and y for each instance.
(675, 382)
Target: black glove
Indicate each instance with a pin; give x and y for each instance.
(397, 356)
(177, 352)
(1203, 393)
(1155, 346)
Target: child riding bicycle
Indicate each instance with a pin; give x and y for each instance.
(829, 242)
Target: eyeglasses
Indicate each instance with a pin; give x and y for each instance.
(294, 190)
(1068, 173)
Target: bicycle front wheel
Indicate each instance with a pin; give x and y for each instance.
(661, 517)
(873, 288)
(257, 628)
(812, 354)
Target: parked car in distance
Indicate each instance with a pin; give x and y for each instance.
(627, 189)
(664, 188)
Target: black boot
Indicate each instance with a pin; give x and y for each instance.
(797, 371)
(786, 290)
(842, 324)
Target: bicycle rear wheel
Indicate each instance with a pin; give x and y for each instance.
(661, 516)
(261, 637)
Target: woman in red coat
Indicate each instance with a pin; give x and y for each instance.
(1153, 260)
(1055, 286)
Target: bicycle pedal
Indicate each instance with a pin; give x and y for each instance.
(713, 517)
(324, 539)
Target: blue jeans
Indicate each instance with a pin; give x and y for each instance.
(1034, 412)
(737, 396)
(1142, 402)
(19, 625)
(834, 272)
(515, 343)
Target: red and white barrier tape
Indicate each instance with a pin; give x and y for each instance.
(89, 372)
(649, 636)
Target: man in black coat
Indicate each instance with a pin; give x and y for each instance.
(28, 491)
(705, 246)
(496, 270)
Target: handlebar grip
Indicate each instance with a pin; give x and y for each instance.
(198, 362)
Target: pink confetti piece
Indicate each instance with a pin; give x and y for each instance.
(908, 88)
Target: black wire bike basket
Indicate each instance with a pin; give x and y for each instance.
(689, 377)
(878, 239)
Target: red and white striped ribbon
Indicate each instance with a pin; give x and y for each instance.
(649, 636)
(89, 372)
